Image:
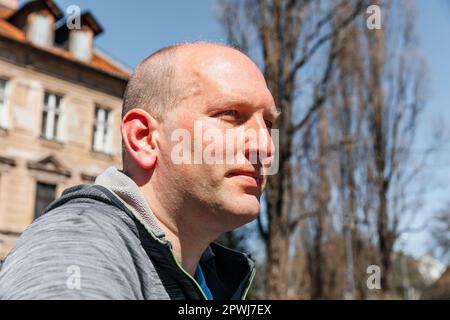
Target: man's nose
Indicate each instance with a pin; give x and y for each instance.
(259, 143)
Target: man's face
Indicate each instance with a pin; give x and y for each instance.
(229, 101)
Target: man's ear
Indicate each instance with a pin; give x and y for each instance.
(140, 137)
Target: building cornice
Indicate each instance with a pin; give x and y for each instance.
(42, 60)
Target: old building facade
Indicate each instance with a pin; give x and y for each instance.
(60, 109)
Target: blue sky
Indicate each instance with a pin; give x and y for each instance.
(135, 28)
(433, 26)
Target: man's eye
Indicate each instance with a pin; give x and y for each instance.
(229, 113)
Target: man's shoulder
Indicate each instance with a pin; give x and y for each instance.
(80, 212)
(91, 235)
(81, 222)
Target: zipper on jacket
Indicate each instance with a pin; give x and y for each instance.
(185, 272)
(252, 275)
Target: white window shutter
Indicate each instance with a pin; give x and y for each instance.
(109, 131)
(50, 116)
(99, 132)
(4, 114)
(61, 121)
(40, 30)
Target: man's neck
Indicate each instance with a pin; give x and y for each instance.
(187, 250)
(188, 237)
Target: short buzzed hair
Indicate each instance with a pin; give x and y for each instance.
(153, 86)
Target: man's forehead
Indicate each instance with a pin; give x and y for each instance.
(231, 76)
(204, 59)
(226, 76)
(230, 67)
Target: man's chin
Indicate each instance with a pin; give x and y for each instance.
(245, 207)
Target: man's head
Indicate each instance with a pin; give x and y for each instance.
(199, 89)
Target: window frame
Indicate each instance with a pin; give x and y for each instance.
(36, 31)
(51, 128)
(102, 130)
(45, 199)
(81, 44)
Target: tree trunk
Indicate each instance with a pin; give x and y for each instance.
(277, 244)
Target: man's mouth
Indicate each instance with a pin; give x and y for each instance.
(249, 177)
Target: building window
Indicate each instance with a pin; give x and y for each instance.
(3, 104)
(40, 28)
(102, 138)
(51, 116)
(45, 194)
(80, 45)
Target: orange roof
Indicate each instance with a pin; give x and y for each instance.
(101, 63)
(10, 31)
(5, 12)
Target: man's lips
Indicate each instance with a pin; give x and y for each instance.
(251, 177)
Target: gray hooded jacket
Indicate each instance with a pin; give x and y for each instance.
(102, 241)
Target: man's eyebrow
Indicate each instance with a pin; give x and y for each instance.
(273, 110)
